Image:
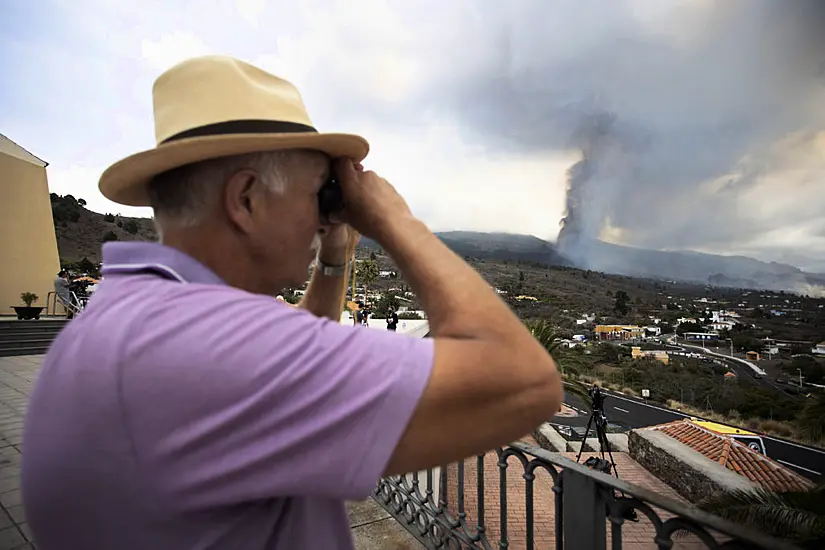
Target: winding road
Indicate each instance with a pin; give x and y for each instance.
(635, 413)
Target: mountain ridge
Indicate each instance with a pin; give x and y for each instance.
(80, 233)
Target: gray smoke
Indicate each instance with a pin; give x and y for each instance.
(676, 118)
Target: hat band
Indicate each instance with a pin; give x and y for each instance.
(243, 127)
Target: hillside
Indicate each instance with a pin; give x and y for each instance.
(686, 266)
(81, 232)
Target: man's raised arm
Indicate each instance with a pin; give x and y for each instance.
(492, 382)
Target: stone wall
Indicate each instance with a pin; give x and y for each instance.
(688, 472)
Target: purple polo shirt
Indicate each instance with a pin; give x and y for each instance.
(177, 412)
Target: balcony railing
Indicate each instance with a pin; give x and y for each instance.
(439, 511)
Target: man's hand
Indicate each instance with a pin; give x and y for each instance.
(372, 203)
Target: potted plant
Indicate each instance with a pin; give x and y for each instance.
(28, 311)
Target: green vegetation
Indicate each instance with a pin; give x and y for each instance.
(692, 386)
(66, 209)
(796, 516)
(29, 298)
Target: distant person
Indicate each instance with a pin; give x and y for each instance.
(64, 296)
(365, 316)
(392, 320)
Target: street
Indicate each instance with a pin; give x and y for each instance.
(635, 413)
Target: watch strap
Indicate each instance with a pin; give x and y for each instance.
(331, 270)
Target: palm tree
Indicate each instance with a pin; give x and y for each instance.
(548, 337)
(368, 273)
(798, 516)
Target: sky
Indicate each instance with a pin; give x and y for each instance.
(702, 123)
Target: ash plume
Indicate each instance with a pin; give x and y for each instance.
(689, 121)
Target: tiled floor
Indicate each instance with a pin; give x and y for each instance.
(16, 377)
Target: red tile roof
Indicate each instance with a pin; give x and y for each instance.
(735, 456)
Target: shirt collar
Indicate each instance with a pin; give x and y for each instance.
(139, 257)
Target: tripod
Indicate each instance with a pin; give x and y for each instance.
(598, 418)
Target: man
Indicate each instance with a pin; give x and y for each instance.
(392, 320)
(61, 289)
(188, 409)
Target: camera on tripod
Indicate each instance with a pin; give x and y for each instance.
(597, 398)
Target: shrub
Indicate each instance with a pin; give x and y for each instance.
(29, 298)
(131, 226)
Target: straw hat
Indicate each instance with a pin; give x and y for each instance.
(216, 106)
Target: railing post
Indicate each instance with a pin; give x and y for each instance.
(584, 512)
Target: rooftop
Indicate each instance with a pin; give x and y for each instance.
(735, 456)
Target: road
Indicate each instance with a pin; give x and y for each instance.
(634, 413)
(740, 367)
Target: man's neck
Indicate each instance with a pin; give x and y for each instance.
(226, 259)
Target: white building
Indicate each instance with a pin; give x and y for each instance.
(819, 349)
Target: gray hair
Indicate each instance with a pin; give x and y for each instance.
(182, 196)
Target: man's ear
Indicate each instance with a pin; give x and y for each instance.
(240, 199)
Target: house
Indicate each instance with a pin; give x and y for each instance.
(581, 322)
(658, 354)
(722, 325)
(819, 349)
(30, 258)
(752, 356)
(618, 332)
(771, 347)
(737, 450)
(653, 331)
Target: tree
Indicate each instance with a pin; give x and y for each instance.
(812, 418)
(81, 202)
(386, 302)
(798, 516)
(367, 273)
(109, 218)
(521, 275)
(131, 226)
(86, 266)
(110, 236)
(622, 300)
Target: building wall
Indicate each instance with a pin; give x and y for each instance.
(28, 252)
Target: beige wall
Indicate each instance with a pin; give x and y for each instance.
(28, 246)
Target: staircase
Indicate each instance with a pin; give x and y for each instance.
(28, 337)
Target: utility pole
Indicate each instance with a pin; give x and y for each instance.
(800, 380)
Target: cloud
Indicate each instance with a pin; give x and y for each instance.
(475, 108)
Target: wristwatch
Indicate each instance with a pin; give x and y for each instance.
(331, 270)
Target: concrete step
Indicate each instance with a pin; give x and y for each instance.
(549, 439)
(16, 352)
(374, 529)
(31, 337)
(9, 336)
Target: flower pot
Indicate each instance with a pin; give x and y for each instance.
(28, 312)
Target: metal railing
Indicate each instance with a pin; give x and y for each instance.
(575, 505)
(52, 299)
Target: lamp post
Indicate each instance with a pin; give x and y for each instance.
(800, 380)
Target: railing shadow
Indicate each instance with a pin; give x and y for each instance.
(522, 496)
